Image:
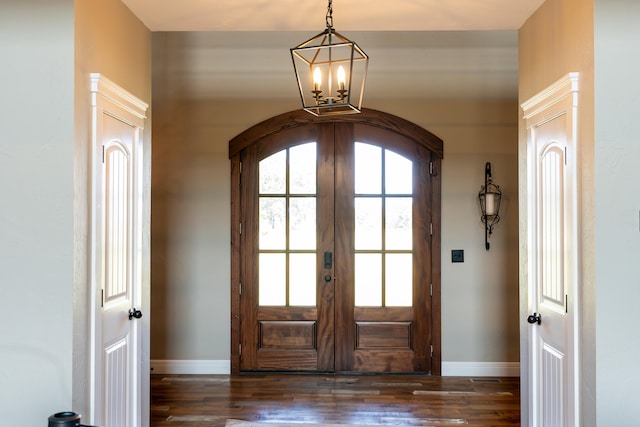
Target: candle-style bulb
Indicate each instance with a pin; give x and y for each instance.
(341, 77)
(317, 78)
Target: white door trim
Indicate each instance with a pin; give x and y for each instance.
(108, 98)
(560, 98)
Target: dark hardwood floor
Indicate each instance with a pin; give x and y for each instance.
(391, 400)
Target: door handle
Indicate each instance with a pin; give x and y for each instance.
(328, 260)
(534, 318)
(134, 312)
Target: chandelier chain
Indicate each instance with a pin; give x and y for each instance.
(330, 15)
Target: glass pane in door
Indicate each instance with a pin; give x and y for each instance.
(302, 279)
(368, 166)
(398, 174)
(368, 272)
(383, 203)
(368, 212)
(302, 169)
(273, 174)
(399, 280)
(398, 223)
(302, 223)
(273, 233)
(287, 248)
(272, 278)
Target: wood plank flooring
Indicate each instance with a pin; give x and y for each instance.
(390, 400)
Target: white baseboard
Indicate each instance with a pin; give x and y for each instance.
(192, 367)
(449, 369)
(480, 369)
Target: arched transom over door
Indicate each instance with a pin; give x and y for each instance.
(335, 245)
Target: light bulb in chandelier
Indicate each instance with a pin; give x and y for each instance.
(317, 85)
(342, 92)
(317, 79)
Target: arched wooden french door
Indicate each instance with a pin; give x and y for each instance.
(335, 261)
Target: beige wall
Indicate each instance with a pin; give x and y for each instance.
(109, 40)
(36, 214)
(48, 49)
(556, 40)
(190, 218)
(190, 222)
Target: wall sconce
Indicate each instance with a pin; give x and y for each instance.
(490, 197)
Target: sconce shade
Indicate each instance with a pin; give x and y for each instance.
(490, 203)
(490, 197)
(331, 72)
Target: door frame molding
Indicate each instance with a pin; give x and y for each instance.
(558, 99)
(108, 98)
(367, 117)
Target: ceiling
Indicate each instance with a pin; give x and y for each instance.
(417, 48)
(349, 15)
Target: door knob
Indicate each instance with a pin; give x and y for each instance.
(134, 312)
(534, 318)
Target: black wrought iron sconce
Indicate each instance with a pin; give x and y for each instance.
(490, 197)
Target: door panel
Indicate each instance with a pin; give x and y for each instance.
(335, 267)
(551, 219)
(287, 304)
(120, 280)
(383, 281)
(118, 352)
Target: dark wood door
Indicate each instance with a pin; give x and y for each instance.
(287, 306)
(335, 251)
(383, 239)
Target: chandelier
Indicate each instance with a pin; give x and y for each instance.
(331, 71)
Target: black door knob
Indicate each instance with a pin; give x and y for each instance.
(134, 312)
(534, 318)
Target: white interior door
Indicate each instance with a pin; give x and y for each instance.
(116, 255)
(552, 255)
